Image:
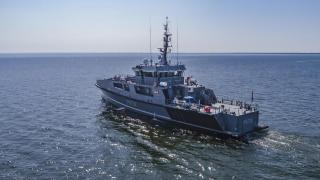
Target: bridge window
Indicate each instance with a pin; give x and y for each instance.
(170, 74)
(163, 74)
(178, 73)
(147, 74)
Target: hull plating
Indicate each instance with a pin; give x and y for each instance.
(180, 118)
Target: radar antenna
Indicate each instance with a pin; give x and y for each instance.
(166, 44)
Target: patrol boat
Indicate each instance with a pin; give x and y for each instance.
(160, 91)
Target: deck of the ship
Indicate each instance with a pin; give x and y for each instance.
(236, 110)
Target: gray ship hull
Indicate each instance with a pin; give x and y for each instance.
(181, 118)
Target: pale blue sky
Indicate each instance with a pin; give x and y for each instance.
(123, 26)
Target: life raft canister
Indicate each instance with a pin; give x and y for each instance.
(207, 109)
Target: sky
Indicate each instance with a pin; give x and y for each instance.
(203, 26)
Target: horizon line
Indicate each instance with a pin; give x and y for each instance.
(173, 53)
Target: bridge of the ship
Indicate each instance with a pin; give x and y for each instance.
(153, 74)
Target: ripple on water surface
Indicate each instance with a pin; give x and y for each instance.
(54, 125)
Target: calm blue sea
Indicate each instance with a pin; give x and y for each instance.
(53, 123)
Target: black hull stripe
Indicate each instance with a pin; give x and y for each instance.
(193, 117)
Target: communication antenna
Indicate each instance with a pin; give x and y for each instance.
(177, 44)
(150, 53)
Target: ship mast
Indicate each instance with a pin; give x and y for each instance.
(166, 44)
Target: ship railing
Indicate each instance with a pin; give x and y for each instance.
(242, 104)
(198, 107)
(123, 78)
(242, 109)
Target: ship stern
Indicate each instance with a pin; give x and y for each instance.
(239, 125)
